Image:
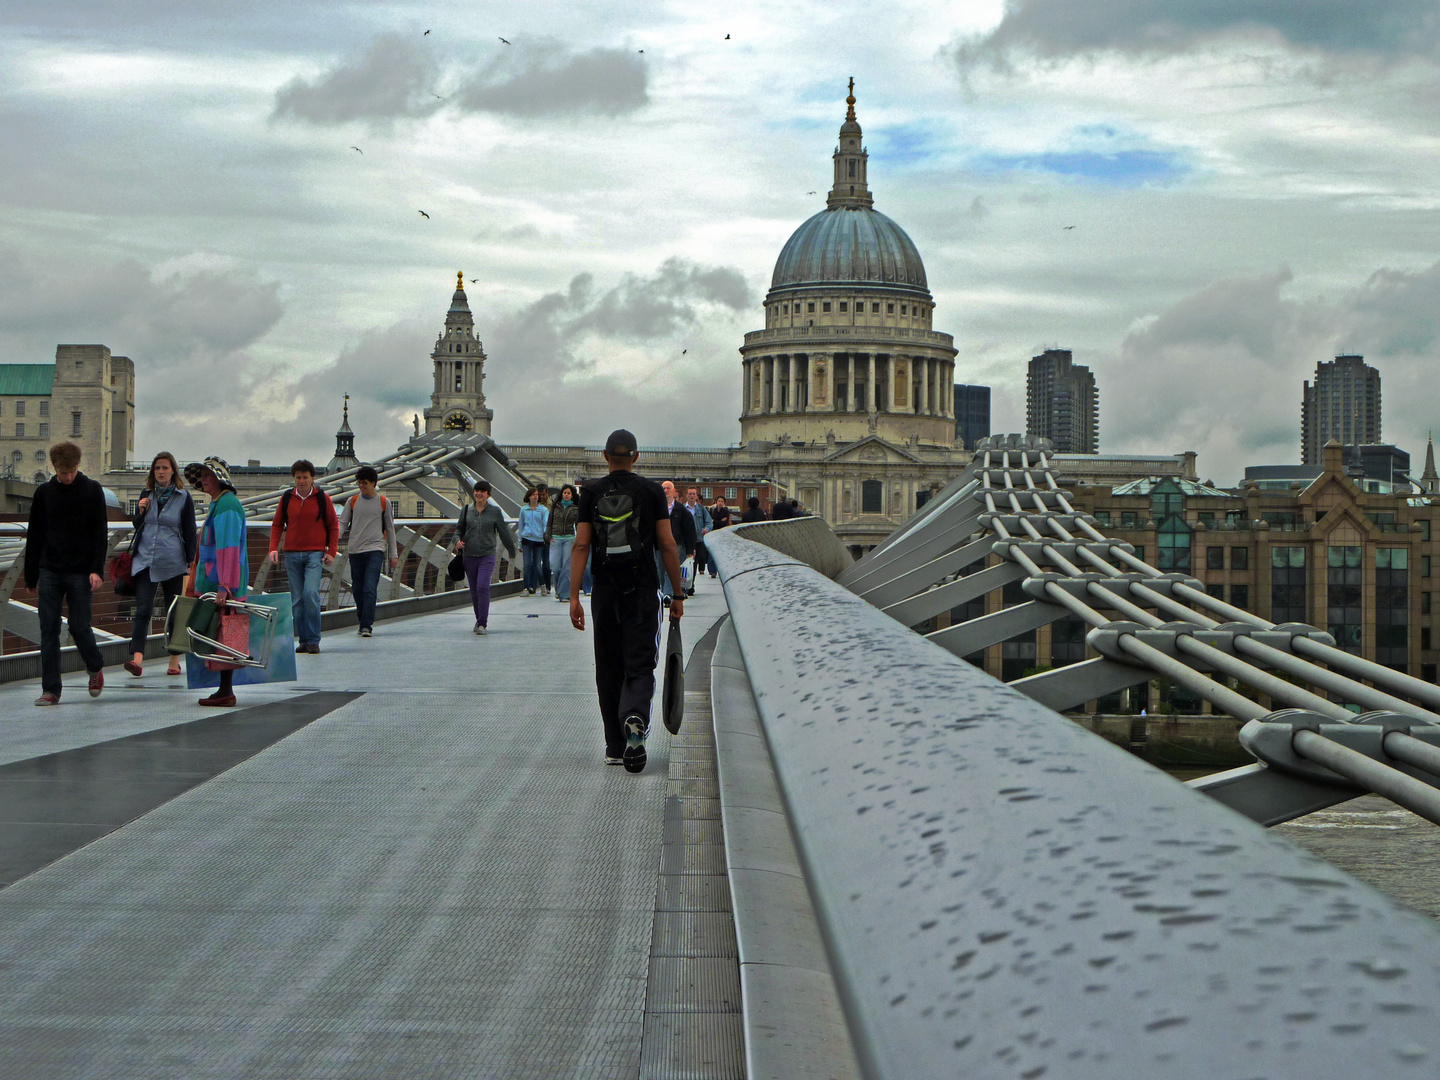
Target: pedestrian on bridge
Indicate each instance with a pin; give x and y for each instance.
(560, 534)
(223, 567)
(66, 540)
(534, 519)
(703, 524)
(163, 549)
(720, 518)
(481, 525)
(623, 517)
(368, 523)
(305, 521)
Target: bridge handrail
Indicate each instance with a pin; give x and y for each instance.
(1004, 894)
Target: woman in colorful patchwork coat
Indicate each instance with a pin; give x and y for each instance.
(222, 567)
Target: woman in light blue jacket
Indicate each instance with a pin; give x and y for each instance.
(164, 549)
(534, 519)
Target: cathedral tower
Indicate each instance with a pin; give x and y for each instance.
(458, 401)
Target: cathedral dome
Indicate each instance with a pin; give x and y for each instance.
(850, 245)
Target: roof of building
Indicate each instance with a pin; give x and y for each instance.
(849, 245)
(36, 380)
(1187, 487)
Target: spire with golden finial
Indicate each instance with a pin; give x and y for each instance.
(849, 192)
(459, 280)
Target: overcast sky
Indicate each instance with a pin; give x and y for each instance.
(230, 193)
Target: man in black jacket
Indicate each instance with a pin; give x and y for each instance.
(65, 545)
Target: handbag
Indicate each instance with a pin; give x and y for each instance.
(190, 617)
(120, 564)
(672, 697)
(456, 570)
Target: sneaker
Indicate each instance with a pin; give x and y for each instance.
(219, 700)
(54, 699)
(481, 631)
(313, 647)
(634, 756)
(529, 592)
(545, 590)
(608, 759)
(365, 631)
(301, 648)
(97, 683)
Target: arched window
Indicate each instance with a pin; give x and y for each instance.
(39, 476)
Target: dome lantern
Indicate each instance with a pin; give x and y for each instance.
(849, 190)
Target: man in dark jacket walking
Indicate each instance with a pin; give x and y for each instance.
(65, 546)
(682, 529)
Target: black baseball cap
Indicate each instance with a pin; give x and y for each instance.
(621, 444)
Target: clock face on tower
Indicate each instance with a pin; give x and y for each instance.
(458, 421)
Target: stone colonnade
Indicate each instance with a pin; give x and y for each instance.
(848, 382)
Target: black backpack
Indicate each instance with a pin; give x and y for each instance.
(321, 501)
(621, 538)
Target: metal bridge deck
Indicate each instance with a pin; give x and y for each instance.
(438, 878)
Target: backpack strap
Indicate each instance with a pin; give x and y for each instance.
(285, 507)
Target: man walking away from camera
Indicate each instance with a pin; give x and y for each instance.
(625, 519)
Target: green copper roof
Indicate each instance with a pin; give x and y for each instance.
(27, 380)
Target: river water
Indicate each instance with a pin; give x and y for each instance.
(1378, 842)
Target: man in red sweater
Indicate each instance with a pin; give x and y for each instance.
(305, 520)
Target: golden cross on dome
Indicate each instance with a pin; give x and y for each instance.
(850, 101)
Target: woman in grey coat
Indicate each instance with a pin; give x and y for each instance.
(164, 549)
(481, 525)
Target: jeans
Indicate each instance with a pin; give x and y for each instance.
(545, 563)
(74, 590)
(478, 573)
(534, 563)
(365, 584)
(303, 569)
(560, 559)
(145, 589)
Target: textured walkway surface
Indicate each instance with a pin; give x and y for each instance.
(438, 878)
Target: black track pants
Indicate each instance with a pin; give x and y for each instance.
(627, 648)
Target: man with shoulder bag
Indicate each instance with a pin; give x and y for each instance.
(624, 518)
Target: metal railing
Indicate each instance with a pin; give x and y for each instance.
(1002, 893)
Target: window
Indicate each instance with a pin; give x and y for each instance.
(1214, 558)
(852, 168)
(1240, 596)
(810, 306)
(705, 493)
(18, 456)
(1392, 607)
(1166, 500)
(1239, 558)
(40, 454)
(875, 308)
(44, 429)
(785, 308)
(1344, 581)
(1174, 542)
(825, 306)
(75, 422)
(1424, 565)
(844, 306)
(19, 408)
(1102, 516)
(872, 497)
(1425, 529)
(1287, 584)
(890, 309)
(1140, 552)
(1127, 519)
(1424, 637)
(1067, 642)
(1215, 590)
(1427, 672)
(1208, 517)
(45, 408)
(19, 432)
(750, 493)
(729, 493)
(1424, 603)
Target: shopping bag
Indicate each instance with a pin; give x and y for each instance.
(280, 665)
(672, 696)
(234, 636)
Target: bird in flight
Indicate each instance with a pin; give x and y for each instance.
(809, 193)
(426, 34)
(506, 42)
(358, 150)
(642, 50)
(1067, 226)
(423, 214)
(684, 351)
(473, 281)
(435, 95)
(727, 37)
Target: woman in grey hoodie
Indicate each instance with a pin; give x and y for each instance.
(480, 525)
(163, 550)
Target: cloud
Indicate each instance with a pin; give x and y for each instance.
(1244, 346)
(1058, 29)
(389, 81)
(1119, 168)
(545, 79)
